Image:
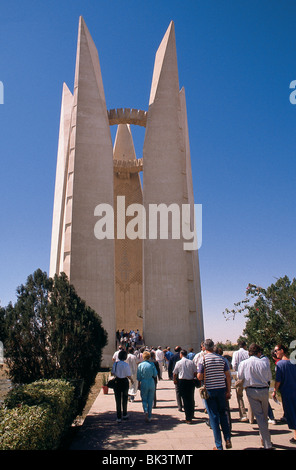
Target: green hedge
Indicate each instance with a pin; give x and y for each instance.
(36, 416)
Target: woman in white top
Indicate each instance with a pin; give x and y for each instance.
(121, 370)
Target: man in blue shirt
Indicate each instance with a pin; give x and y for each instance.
(191, 354)
(172, 362)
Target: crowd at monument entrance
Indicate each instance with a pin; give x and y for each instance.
(159, 405)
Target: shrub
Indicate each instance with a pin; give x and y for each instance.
(27, 428)
(52, 333)
(37, 416)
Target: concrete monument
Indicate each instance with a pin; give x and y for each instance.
(146, 281)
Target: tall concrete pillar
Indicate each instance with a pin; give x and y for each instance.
(172, 301)
(58, 222)
(87, 181)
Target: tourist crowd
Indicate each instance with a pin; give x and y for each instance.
(247, 371)
(129, 338)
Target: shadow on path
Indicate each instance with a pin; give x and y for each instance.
(102, 432)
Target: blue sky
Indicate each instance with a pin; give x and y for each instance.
(236, 61)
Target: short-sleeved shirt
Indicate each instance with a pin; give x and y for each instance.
(159, 354)
(168, 355)
(255, 372)
(115, 356)
(198, 358)
(121, 369)
(190, 355)
(185, 369)
(214, 368)
(286, 375)
(239, 356)
(132, 361)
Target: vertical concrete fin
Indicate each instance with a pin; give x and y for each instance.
(187, 160)
(60, 182)
(165, 73)
(91, 137)
(167, 266)
(161, 151)
(86, 50)
(124, 146)
(90, 183)
(193, 256)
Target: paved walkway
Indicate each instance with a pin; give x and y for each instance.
(167, 431)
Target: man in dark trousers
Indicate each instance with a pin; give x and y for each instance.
(185, 371)
(175, 358)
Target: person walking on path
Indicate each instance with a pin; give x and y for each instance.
(256, 376)
(159, 354)
(271, 419)
(237, 357)
(155, 362)
(185, 371)
(214, 371)
(285, 382)
(115, 355)
(219, 350)
(133, 385)
(198, 358)
(174, 359)
(200, 355)
(121, 370)
(145, 376)
(191, 354)
(240, 355)
(167, 356)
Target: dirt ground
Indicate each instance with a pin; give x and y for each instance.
(95, 390)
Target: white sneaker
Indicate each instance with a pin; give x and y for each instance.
(271, 421)
(118, 420)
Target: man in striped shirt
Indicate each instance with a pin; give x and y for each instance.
(215, 373)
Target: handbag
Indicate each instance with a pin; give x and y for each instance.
(112, 382)
(203, 390)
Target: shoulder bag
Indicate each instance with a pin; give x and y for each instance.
(112, 382)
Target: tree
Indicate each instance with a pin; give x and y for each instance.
(2, 324)
(52, 333)
(270, 313)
